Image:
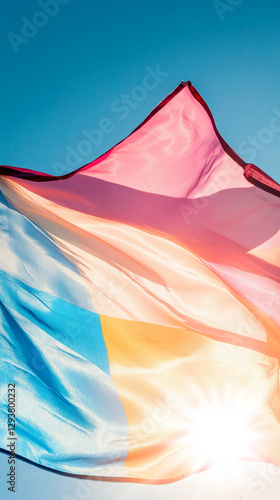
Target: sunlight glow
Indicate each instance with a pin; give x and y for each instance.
(221, 436)
(220, 431)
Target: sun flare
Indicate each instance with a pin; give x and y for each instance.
(219, 432)
(221, 436)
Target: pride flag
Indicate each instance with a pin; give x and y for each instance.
(140, 305)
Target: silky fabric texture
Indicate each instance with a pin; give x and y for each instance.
(54, 351)
(176, 256)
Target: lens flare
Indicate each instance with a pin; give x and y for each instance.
(220, 430)
(221, 436)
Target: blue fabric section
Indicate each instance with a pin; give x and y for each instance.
(76, 328)
(69, 414)
(29, 254)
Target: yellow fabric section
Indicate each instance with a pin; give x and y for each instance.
(173, 384)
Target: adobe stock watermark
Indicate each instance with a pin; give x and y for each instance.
(82, 491)
(258, 482)
(161, 412)
(31, 27)
(223, 7)
(121, 107)
(73, 328)
(249, 149)
(193, 207)
(84, 488)
(247, 328)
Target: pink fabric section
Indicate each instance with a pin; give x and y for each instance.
(173, 178)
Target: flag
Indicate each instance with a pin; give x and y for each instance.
(140, 305)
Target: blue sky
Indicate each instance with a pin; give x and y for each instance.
(66, 76)
(69, 76)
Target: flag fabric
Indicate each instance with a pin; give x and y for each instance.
(140, 305)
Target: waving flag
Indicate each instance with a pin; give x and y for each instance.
(140, 305)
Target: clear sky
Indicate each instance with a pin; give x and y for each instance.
(71, 66)
(67, 75)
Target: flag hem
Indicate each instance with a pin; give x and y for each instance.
(125, 479)
(252, 173)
